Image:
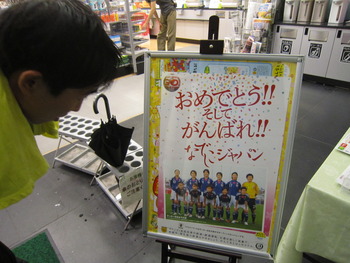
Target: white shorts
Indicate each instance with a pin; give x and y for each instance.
(172, 195)
(233, 200)
(242, 206)
(212, 202)
(195, 199)
(181, 198)
(188, 197)
(227, 205)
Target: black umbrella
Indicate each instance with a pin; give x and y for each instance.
(111, 141)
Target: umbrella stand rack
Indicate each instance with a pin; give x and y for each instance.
(74, 129)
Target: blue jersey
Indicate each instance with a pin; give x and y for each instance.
(181, 192)
(242, 198)
(174, 182)
(205, 183)
(190, 183)
(224, 198)
(218, 186)
(195, 193)
(210, 195)
(233, 187)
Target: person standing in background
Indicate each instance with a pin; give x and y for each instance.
(167, 23)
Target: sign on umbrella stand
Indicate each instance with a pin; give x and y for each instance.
(219, 131)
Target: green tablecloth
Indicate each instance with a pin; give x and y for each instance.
(320, 223)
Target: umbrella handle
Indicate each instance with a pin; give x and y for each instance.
(101, 95)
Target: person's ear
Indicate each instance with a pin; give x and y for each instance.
(28, 81)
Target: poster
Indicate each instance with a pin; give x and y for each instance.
(217, 135)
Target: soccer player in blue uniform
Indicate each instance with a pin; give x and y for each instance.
(174, 182)
(189, 184)
(181, 197)
(242, 200)
(194, 196)
(233, 188)
(205, 181)
(224, 200)
(209, 201)
(218, 184)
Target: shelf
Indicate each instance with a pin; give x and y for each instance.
(137, 21)
(80, 157)
(137, 53)
(77, 127)
(136, 42)
(129, 21)
(83, 158)
(133, 34)
(135, 11)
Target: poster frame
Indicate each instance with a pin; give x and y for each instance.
(282, 181)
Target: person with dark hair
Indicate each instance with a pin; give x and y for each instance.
(209, 202)
(195, 195)
(53, 53)
(167, 22)
(174, 183)
(242, 199)
(189, 184)
(252, 190)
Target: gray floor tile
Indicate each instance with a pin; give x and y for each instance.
(149, 254)
(55, 195)
(94, 232)
(329, 119)
(311, 95)
(308, 155)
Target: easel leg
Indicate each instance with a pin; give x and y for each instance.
(127, 224)
(98, 172)
(58, 147)
(164, 253)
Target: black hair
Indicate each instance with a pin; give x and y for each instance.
(219, 173)
(249, 175)
(63, 39)
(234, 173)
(243, 188)
(193, 171)
(206, 170)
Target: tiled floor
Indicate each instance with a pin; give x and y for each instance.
(87, 227)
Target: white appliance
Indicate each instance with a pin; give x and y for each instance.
(319, 11)
(229, 3)
(291, 8)
(305, 10)
(338, 11)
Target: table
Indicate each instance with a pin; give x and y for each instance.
(320, 223)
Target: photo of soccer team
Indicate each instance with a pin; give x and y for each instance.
(205, 200)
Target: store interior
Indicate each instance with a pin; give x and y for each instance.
(85, 225)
